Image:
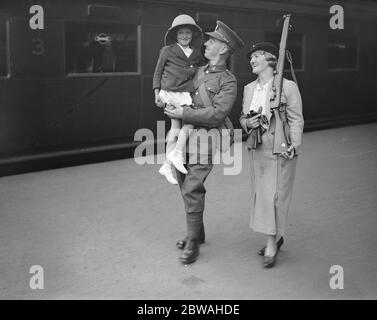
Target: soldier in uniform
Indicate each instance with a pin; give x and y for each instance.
(220, 92)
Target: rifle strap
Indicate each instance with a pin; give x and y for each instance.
(289, 58)
(280, 113)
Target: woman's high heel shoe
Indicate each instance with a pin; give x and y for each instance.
(278, 245)
(269, 262)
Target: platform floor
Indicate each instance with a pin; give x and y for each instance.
(108, 230)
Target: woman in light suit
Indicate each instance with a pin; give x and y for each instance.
(272, 175)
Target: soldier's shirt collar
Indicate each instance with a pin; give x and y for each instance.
(215, 68)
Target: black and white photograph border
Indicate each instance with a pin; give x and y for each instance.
(86, 211)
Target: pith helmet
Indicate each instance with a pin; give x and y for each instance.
(184, 20)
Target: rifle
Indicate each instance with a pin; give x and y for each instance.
(281, 138)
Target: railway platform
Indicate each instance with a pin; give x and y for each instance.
(108, 230)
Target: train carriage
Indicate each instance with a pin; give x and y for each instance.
(77, 90)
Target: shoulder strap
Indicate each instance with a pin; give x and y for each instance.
(201, 77)
(289, 58)
(202, 90)
(207, 103)
(200, 73)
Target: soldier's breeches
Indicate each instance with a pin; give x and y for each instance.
(192, 186)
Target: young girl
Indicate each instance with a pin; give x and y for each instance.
(172, 83)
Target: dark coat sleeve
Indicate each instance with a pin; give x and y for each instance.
(160, 68)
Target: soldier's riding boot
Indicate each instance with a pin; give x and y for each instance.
(202, 238)
(191, 249)
(190, 252)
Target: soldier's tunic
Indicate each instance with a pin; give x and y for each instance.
(272, 176)
(221, 87)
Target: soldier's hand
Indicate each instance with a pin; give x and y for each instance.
(175, 103)
(169, 106)
(289, 154)
(253, 122)
(175, 113)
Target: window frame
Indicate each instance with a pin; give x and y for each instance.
(357, 63)
(7, 51)
(215, 15)
(106, 74)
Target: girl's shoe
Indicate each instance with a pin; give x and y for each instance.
(177, 160)
(166, 171)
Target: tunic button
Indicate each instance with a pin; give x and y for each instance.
(283, 144)
(191, 66)
(196, 92)
(207, 71)
(209, 88)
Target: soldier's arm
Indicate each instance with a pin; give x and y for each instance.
(222, 105)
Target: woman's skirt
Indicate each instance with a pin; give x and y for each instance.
(272, 180)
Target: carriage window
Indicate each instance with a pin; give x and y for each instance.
(101, 47)
(207, 21)
(295, 45)
(3, 48)
(342, 51)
